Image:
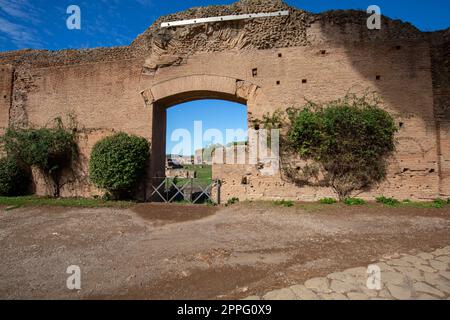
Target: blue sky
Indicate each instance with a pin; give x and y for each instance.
(41, 24)
(214, 114)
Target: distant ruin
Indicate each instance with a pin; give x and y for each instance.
(266, 64)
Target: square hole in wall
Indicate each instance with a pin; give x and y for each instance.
(278, 82)
(280, 55)
(254, 72)
(304, 80)
(323, 51)
(398, 47)
(378, 77)
(400, 124)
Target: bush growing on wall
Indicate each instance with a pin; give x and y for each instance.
(14, 178)
(50, 149)
(118, 162)
(349, 138)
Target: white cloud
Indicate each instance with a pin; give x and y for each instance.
(17, 18)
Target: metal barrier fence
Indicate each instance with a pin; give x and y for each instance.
(191, 190)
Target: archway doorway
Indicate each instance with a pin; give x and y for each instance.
(188, 134)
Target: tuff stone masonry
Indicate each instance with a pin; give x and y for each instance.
(267, 64)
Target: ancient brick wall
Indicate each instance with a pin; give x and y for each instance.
(268, 64)
(6, 81)
(440, 57)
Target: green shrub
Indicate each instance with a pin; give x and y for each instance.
(232, 201)
(354, 201)
(118, 162)
(284, 203)
(327, 201)
(391, 202)
(14, 178)
(439, 203)
(50, 149)
(350, 138)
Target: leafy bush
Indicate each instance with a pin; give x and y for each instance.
(327, 201)
(351, 139)
(284, 203)
(14, 178)
(50, 149)
(354, 201)
(117, 162)
(391, 202)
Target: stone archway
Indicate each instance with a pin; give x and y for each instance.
(165, 94)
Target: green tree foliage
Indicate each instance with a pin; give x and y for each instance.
(50, 149)
(14, 178)
(118, 162)
(351, 139)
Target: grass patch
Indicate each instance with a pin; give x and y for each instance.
(284, 203)
(327, 201)
(390, 202)
(354, 201)
(34, 201)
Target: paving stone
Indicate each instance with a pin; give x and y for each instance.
(357, 272)
(426, 288)
(425, 276)
(339, 276)
(343, 287)
(319, 285)
(438, 265)
(413, 260)
(410, 272)
(303, 293)
(357, 296)
(444, 287)
(442, 252)
(398, 262)
(425, 256)
(445, 259)
(281, 294)
(384, 293)
(398, 292)
(445, 274)
(424, 268)
(434, 279)
(396, 278)
(384, 267)
(426, 297)
(333, 296)
(369, 292)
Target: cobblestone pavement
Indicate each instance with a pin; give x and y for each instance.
(424, 276)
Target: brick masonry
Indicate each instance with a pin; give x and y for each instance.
(129, 88)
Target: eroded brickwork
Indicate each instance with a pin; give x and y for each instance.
(268, 64)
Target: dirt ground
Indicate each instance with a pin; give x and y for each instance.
(155, 251)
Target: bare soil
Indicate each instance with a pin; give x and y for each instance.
(156, 251)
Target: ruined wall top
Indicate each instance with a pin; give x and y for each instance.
(263, 33)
